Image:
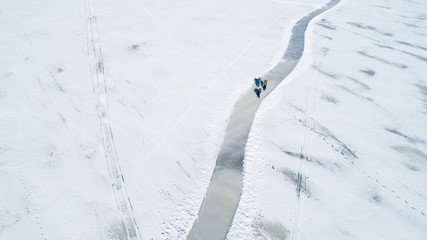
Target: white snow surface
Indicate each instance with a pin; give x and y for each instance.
(354, 109)
(339, 149)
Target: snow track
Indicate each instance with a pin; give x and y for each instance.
(128, 224)
(222, 198)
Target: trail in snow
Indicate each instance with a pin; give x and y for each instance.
(222, 198)
(128, 224)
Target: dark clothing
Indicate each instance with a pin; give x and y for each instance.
(257, 91)
(257, 81)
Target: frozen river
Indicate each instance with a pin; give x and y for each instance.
(222, 198)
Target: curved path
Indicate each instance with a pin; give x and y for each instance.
(223, 195)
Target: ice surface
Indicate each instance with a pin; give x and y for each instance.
(338, 151)
(213, 222)
(173, 71)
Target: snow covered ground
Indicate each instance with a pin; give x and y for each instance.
(337, 151)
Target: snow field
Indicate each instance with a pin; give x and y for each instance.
(181, 79)
(171, 71)
(336, 151)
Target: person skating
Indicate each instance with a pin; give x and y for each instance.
(264, 84)
(257, 91)
(257, 81)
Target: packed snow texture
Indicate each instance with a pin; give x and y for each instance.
(223, 194)
(172, 72)
(337, 151)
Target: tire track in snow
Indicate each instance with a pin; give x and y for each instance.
(128, 223)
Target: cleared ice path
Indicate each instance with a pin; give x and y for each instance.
(223, 195)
